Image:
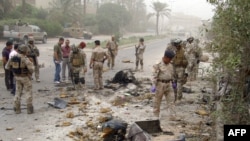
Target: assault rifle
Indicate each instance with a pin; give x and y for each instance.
(136, 51)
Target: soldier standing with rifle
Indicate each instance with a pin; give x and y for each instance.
(22, 68)
(96, 62)
(112, 52)
(139, 50)
(33, 54)
(180, 63)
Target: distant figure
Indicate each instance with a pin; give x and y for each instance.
(33, 54)
(19, 23)
(65, 59)
(97, 59)
(194, 53)
(57, 60)
(139, 50)
(8, 75)
(180, 63)
(112, 52)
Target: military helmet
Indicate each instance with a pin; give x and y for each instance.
(22, 48)
(141, 40)
(177, 42)
(74, 48)
(31, 40)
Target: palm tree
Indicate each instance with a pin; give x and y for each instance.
(160, 10)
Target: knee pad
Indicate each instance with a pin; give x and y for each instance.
(82, 80)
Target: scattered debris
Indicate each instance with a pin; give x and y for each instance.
(70, 115)
(58, 103)
(66, 123)
(9, 128)
(105, 110)
(127, 61)
(202, 112)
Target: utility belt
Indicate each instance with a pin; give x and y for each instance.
(163, 81)
(98, 61)
(22, 75)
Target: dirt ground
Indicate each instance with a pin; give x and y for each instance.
(87, 109)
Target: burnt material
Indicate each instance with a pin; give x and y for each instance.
(124, 77)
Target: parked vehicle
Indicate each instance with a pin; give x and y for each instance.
(22, 33)
(75, 30)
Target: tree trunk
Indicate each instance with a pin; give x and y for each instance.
(157, 23)
(23, 7)
(84, 7)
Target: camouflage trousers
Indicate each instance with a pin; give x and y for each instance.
(78, 76)
(23, 86)
(36, 71)
(191, 68)
(162, 89)
(97, 73)
(179, 76)
(111, 60)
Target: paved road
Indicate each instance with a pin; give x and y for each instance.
(41, 126)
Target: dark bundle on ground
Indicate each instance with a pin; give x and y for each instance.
(124, 77)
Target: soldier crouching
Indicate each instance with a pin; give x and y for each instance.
(22, 68)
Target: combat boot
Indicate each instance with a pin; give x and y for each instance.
(136, 68)
(30, 109)
(17, 108)
(141, 68)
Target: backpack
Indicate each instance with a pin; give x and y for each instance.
(77, 59)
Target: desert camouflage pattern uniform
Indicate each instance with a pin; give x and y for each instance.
(78, 70)
(112, 52)
(193, 52)
(180, 63)
(23, 84)
(34, 51)
(139, 55)
(162, 75)
(98, 56)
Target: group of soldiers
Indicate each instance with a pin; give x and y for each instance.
(180, 61)
(75, 58)
(20, 63)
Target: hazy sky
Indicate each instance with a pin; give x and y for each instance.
(199, 8)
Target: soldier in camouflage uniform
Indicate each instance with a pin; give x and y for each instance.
(77, 60)
(112, 47)
(180, 63)
(98, 57)
(33, 53)
(163, 74)
(194, 54)
(22, 68)
(139, 50)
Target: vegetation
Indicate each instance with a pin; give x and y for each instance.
(111, 17)
(161, 10)
(231, 40)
